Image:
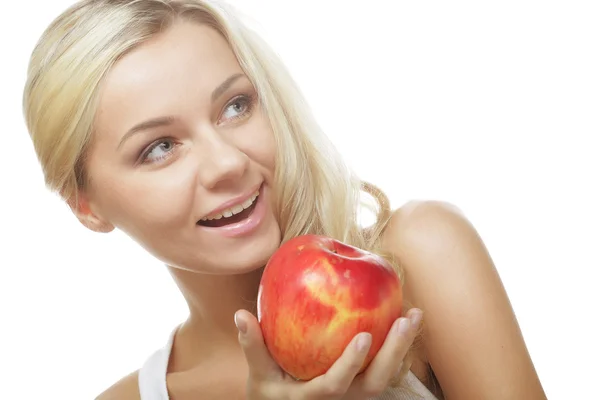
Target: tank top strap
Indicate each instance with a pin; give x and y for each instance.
(152, 377)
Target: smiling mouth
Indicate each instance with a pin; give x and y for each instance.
(230, 216)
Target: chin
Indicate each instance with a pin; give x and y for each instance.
(229, 258)
(249, 255)
(242, 243)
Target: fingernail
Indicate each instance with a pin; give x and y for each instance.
(363, 341)
(402, 326)
(416, 317)
(240, 324)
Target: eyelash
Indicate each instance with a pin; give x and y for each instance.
(153, 146)
(248, 101)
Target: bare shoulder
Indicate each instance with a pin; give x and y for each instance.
(125, 389)
(434, 239)
(419, 217)
(472, 340)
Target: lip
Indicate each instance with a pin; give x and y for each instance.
(246, 226)
(233, 202)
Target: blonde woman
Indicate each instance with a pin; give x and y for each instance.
(173, 122)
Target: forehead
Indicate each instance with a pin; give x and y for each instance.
(171, 73)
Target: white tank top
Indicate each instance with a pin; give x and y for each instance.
(152, 380)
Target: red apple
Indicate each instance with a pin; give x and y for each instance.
(316, 294)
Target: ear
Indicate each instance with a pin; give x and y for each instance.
(82, 210)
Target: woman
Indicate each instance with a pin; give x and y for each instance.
(172, 121)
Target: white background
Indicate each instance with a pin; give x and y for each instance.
(493, 106)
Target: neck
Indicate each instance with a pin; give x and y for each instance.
(212, 301)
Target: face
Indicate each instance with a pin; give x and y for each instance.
(183, 156)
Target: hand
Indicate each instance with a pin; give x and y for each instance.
(268, 381)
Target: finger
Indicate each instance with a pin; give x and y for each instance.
(260, 363)
(388, 361)
(337, 379)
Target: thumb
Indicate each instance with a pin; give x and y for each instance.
(261, 364)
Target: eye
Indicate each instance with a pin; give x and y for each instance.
(237, 108)
(158, 151)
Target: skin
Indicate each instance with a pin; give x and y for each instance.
(211, 152)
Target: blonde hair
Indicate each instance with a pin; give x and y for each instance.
(315, 191)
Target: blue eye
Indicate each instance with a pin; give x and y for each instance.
(158, 151)
(239, 107)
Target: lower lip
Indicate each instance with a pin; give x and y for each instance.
(246, 226)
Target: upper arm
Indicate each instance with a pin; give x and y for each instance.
(471, 337)
(125, 389)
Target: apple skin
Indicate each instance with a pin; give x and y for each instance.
(316, 294)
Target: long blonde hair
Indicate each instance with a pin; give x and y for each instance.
(315, 191)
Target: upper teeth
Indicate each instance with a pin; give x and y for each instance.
(233, 210)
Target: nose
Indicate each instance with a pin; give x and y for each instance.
(222, 162)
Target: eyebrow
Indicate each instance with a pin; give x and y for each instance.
(223, 87)
(164, 121)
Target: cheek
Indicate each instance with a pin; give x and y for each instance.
(259, 143)
(265, 153)
(147, 200)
